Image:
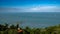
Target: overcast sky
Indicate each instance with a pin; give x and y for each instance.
(29, 5)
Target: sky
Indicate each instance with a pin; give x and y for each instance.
(29, 5)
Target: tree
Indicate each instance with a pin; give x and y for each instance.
(12, 26)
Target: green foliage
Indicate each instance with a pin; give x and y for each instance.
(13, 29)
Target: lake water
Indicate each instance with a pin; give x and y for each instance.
(32, 19)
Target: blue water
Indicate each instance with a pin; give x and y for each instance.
(32, 19)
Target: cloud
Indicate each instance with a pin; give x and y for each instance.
(31, 9)
(44, 9)
(10, 9)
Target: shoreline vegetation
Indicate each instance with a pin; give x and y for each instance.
(12, 29)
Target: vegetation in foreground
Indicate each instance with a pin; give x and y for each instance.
(6, 29)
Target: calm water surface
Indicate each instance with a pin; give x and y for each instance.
(33, 19)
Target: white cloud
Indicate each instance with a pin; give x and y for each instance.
(32, 9)
(43, 9)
